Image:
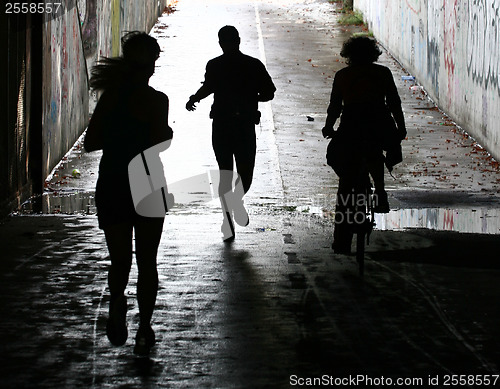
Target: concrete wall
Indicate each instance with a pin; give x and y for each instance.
(452, 47)
(20, 111)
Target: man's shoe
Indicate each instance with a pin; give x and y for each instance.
(241, 215)
(237, 205)
(116, 326)
(227, 228)
(144, 341)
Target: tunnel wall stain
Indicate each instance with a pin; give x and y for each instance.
(452, 47)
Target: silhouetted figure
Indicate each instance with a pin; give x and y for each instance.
(372, 121)
(238, 83)
(130, 117)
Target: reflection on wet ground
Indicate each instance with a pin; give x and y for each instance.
(466, 220)
(480, 220)
(74, 202)
(68, 202)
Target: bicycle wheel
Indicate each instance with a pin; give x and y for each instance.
(360, 251)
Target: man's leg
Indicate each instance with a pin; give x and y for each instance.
(244, 154)
(223, 149)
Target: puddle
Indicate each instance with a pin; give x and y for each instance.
(465, 220)
(68, 202)
(480, 220)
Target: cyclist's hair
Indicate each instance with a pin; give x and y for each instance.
(360, 50)
(140, 51)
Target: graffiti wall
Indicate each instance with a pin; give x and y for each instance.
(107, 20)
(452, 47)
(86, 31)
(65, 87)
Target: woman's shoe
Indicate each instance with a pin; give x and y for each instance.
(341, 249)
(116, 326)
(144, 341)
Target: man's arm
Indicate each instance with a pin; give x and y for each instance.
(205, 90)
(266, 87)
(197, 97)
(266, 95)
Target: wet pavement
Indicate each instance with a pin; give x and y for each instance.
(276, 307)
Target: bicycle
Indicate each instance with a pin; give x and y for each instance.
(355, 212)
(356, 199)
(364, 213)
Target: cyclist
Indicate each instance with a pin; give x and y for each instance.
(366, 99)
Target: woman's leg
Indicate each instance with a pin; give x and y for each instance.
(119, 241)
(343, 232)
(381, 202)
(147, 239)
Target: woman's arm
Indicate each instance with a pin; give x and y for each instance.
(160, 130)
(394, 104)
(334, 109)
(94, 137)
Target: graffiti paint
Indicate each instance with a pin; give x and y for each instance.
(483, 43)
(115, 29)
(453, 48)
(414, 5)
(451, 24)
(433, 39)
(433, 53)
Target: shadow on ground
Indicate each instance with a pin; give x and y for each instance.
(436, 247)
